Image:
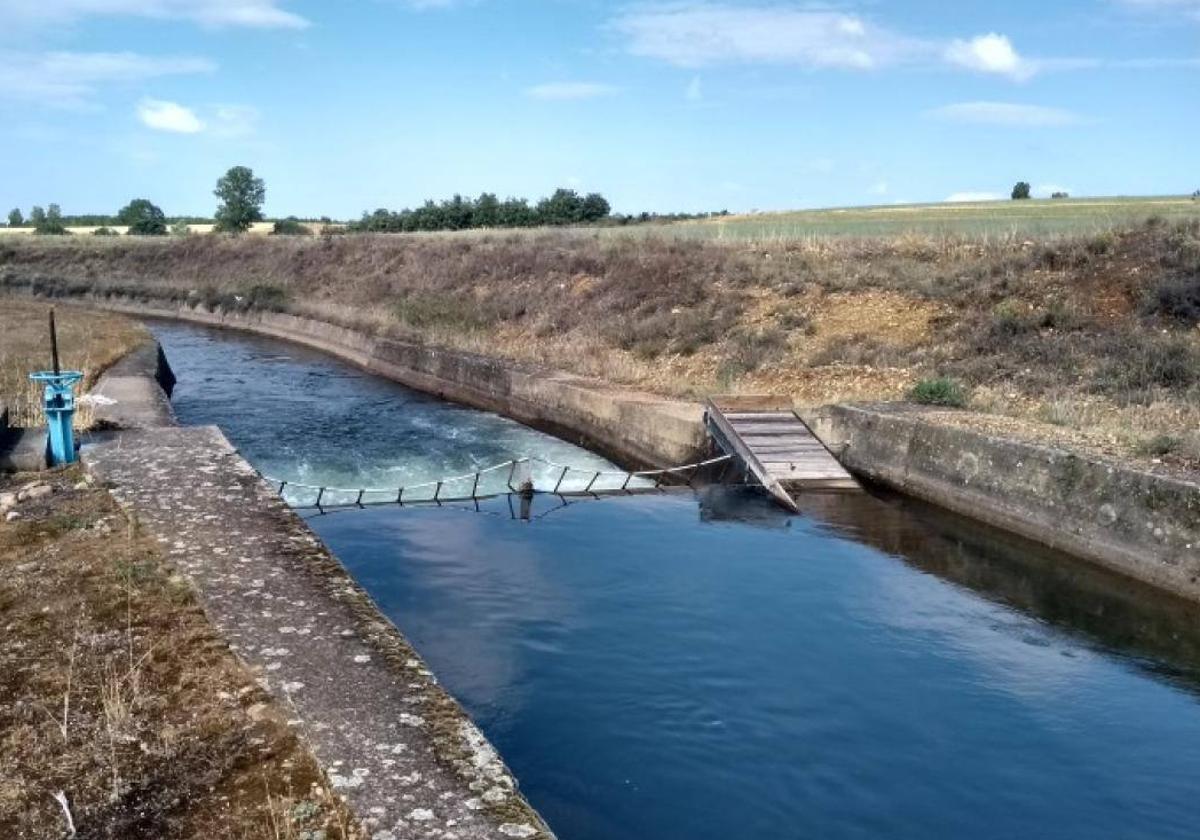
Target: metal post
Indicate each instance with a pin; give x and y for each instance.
(558, 483)
(54, 345)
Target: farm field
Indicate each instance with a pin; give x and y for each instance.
(1033, 218)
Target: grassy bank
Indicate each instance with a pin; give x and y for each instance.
(121, 709)
(89, 341)
(1091, 338)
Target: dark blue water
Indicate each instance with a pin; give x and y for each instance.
(704, 666)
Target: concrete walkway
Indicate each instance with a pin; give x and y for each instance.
(408, 759)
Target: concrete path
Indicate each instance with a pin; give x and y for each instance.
(393, 742)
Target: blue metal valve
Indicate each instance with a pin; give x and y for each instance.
(59, 404)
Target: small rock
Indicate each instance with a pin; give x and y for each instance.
(7, 500)
(258, 711)
(36, 491)
(12, 516)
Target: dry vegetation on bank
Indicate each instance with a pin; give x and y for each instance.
(117, 694)
(1094, 333)
(89, 341)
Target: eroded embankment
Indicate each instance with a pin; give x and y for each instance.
(390, 739)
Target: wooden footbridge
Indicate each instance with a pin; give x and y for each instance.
(775, 446)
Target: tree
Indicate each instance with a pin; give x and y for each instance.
(595, 207)
(1021, 191)
(143, 218)
(1059, 194)
(565, 207)
(487, 210)
(15, 219)
(242, 197)
(48, 222)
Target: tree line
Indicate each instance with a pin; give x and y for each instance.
(242, 195)
(564, 207)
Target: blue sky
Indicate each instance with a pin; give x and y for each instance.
(355, 104)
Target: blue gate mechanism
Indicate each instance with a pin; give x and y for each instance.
(58, 401)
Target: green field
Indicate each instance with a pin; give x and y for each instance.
(1033, 218)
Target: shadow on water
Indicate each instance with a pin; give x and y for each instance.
(1116, 613)
(1157, 631)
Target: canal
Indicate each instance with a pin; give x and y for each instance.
(698, 665)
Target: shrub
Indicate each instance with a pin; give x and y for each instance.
(290, 226)
(180, 228)
(1138, 363)
(266, 297)
(104, 231)
(939, 391)
(1177, 298)
(1159, 445)
(751, 349)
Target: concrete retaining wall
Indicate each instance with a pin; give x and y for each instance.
(1141, 525)
(634, 428)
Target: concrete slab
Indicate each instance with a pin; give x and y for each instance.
(135, 392)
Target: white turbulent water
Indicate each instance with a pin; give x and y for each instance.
(315, 421)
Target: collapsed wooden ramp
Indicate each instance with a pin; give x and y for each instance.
(775, 446)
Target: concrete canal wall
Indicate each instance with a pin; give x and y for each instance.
(629, 426)
(1141, 525)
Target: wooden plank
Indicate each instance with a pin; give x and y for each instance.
(775, 445)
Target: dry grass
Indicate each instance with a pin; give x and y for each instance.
(1104, 320)
(116, 692)
(89, 341)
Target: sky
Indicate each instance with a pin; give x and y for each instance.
(348, 105)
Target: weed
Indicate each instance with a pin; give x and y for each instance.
(940, 391)
(1159, 445)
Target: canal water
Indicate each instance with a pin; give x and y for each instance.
(700, 665)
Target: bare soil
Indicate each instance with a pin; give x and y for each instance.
(117, 695)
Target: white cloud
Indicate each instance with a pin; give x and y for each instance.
(569, 90)
(694, 92)
(1005, 114)
(990, 53)
(967, 197)
(698, 34)
(259, 14)
(162, 115)
(70, 79)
